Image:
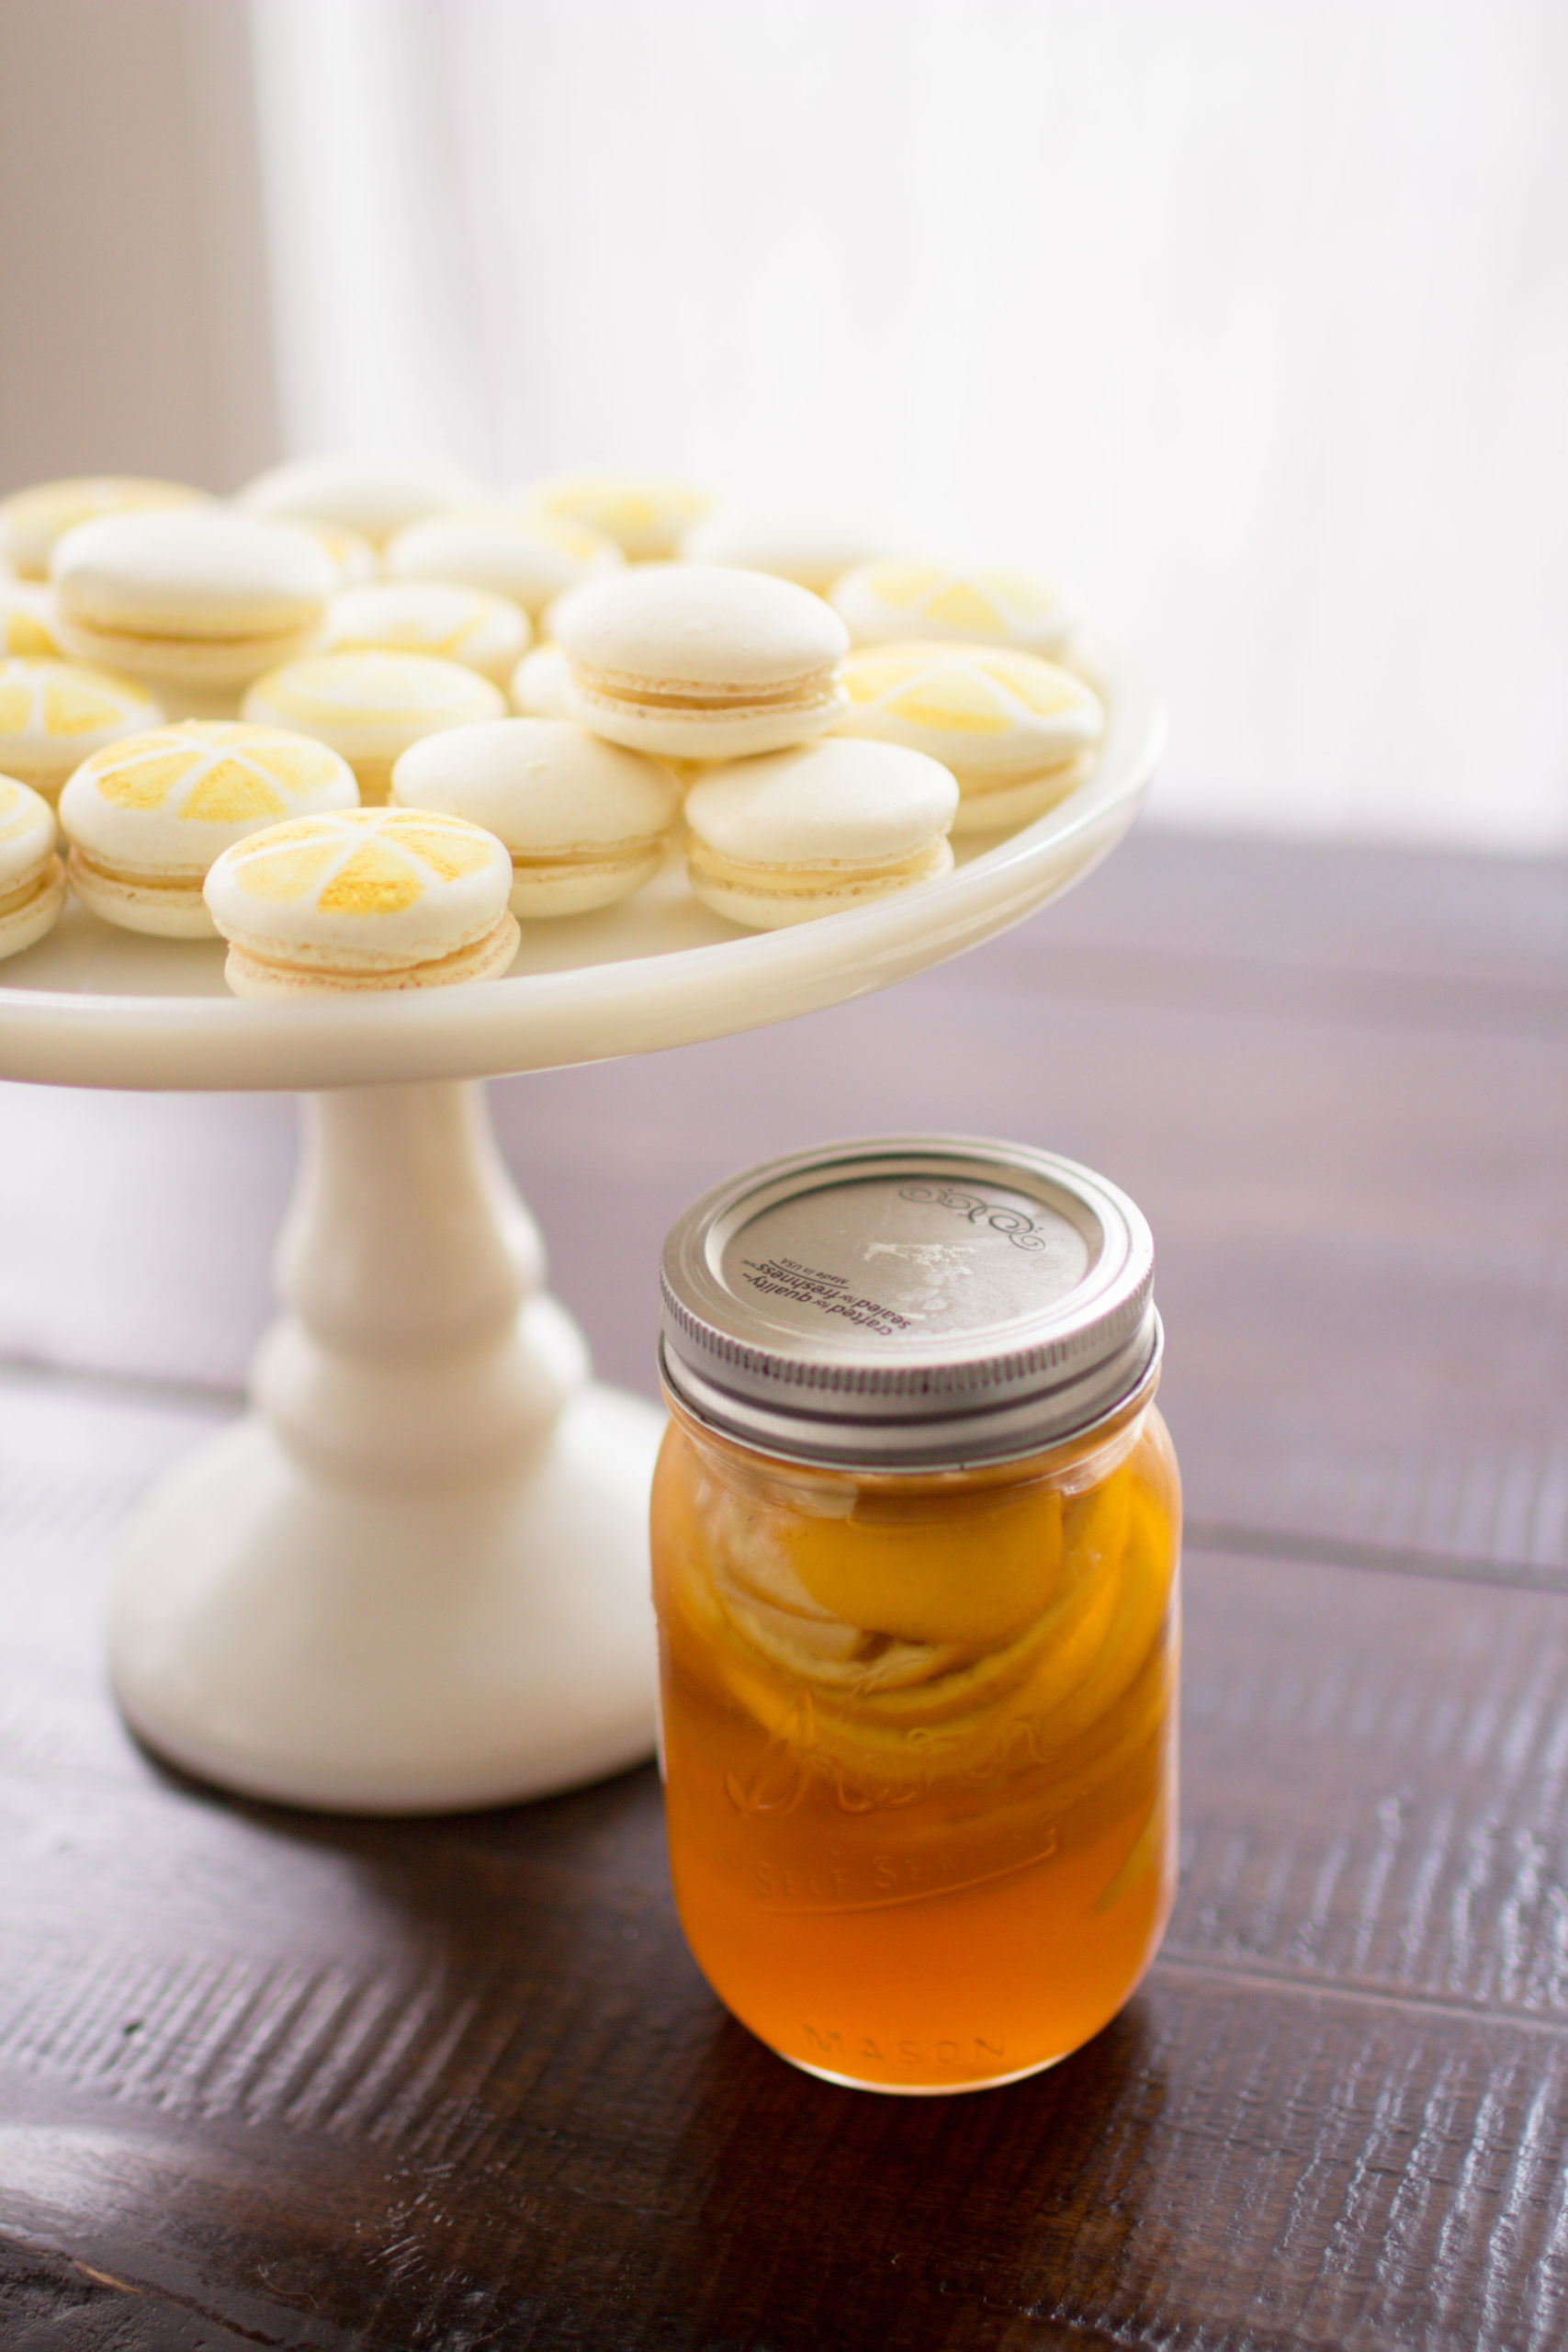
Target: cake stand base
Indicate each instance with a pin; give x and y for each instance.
(394, 1653)
(415, 1577)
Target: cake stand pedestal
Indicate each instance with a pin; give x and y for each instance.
(415, 1577)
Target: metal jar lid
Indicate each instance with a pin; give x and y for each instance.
(910, 1302)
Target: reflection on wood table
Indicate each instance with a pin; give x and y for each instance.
(301, 2081)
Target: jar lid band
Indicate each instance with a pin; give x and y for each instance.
(912, 1302)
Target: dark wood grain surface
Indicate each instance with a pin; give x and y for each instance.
(270, 2078)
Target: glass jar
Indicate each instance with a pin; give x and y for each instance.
(915, 1542)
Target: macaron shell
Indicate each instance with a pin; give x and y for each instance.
(996, 810)
(471, 626)
(31, 916)
(646, 516)
(546, 890)
(540, 683)
(162, 911)
(894, 598)
(679, 629)
(486, 959)
(33, 520)
(373, 495)
(192, 572)
(705, 735)
(54, 715)
(840, 802)
(159, 807)
(357, 561)
(544, 788)
(983, 711)
(366, 891)
(532, 559)
(26, 620)
(26, 834)
(757, 908)
(371, 706)
(193, 677)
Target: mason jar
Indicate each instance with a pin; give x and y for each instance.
(915, 1534)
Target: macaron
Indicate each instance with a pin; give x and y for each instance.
(33, 520)
(898, 598)
(146, 817)
(1018, 732)
(805, 832)
(700, 663)
(371, 706)
(813, 552)
(540, 684)
(195, 600)
(54, 714)
(533, 559)
(585, 822)
(371, 898)
(482, 631)
(646, 514)
(26, 619)
(32, 879)
(372, 495)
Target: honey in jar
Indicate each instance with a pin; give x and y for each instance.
(916, 1530)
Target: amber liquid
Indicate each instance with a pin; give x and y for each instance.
(919, 1750)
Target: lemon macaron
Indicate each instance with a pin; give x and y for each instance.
(372, 705)
(146, 816)
(32, 879)
(896, 598)
(372, 898)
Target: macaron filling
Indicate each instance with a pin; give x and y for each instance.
(922, 865)
(302, 964)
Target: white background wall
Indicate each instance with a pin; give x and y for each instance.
(1248, 316)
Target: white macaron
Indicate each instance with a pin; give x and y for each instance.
(541, 683)
(483, 631)
(585, 821)
(533, 559)
(900, 598)
(372, 898)
(146, 817)
(698, 663)
(1018, 732)
(54, 715)
(371, 706)
(195, 600)
(32, 879)
(372, 495)
(805, 832)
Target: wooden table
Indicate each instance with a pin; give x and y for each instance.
(274, 2079)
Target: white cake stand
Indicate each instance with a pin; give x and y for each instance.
(415, 1577)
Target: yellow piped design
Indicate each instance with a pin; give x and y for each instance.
(967, 689)
(374, 881)
(218, 772)
(233, 794)
(907, 584)
(22, 811)
(963, 605)
(47, 699)
(361, 861)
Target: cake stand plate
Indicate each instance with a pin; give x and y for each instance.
(415, 1577)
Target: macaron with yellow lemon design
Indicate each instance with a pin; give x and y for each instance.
(146, 817)
(896, 598)
(32, 880)
(54, 715)
(370, 898)
(33, 520)
(371, 706)
(1018, 732)
(646, 516)
(483, 631)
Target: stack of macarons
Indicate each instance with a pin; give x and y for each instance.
(346, 632)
